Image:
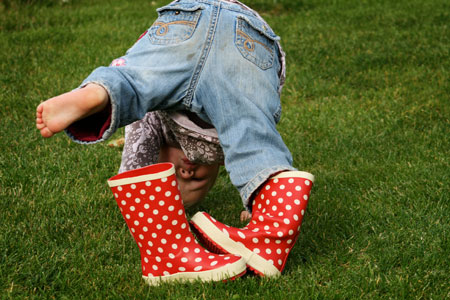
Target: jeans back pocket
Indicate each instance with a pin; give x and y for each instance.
(256, 42)
(175, 24)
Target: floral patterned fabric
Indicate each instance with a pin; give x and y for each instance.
(144, 139)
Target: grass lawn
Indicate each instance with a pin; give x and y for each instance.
(366, 109)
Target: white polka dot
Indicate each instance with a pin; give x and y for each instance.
(267, 241)
(303, 212)
(241, 235)
(146, 259)
(198, 259)
(280, 234)
(160, 250)
(296, 217)
(150, 244)
(124, 202)
(151, 197)
(174, 222)
(141, 214)
(274, 208)
(289, 241)
(297, 202)
(142, 192)
(286, 221)
(168, 232)
(275, 180)
(267, 187)
(256, 250)
(178, 236)
(288, 207)
(198, 268)
(174, 183)
(282, 187)
(305, 197)
(276, 225)
(148, 183)
(280, 262)
(128, 195)
(171, 208)
(132, 208)
(267, 202)
(291, 232)
(150, 220)
(291, 180)
(261, 218)
(159, 226)
(163, 241)
(137, 200)
(268, 251)
(180, 212)
(133, 230)
(259, 206)
(287, 250)
(262, 196)
(214, 263)
(274, 193)
(154, 235)
(171, 255)
(278, 242)
(145, 229)
(185, 249)
(184, 259)
(127, 216)
(298, 188)
(167, 194)
(161, 203)
(141, 236)
(155, 211)
(140, 245)
(155, 267)
(148, 252)
(280, 200)
(183, 226)
(289, 194)
(158, 189)
(307, 182)
(177, 197)
(169, 265)
(119, 188)
(164, 179)
(174, 246)
(197, 250)
(116, 195)
(136, 223)
(279, 251)
(266, 227)
(255, 240)
(181, 269)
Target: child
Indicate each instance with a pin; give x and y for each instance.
(219, 60)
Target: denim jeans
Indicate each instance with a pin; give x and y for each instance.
(219, 61)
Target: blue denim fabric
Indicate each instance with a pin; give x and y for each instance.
(218, 60)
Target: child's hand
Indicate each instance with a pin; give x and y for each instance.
(245, 216)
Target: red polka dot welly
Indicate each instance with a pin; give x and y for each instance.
(277, 214)
(151, 205)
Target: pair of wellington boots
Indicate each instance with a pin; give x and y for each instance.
(151, 205)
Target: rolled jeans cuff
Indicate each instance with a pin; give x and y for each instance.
(256, 182)
(90, 130)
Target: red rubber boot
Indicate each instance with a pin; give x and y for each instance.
(266, 241)
(150, 203)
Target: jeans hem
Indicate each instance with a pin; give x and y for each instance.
(256, 182)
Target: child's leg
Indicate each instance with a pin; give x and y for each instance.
(56, 114)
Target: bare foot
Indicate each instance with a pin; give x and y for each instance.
(58, 113)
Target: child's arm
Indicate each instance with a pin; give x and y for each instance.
(245, 216)
(143, 141)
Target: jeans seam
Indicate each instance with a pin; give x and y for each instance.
(205, 52)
